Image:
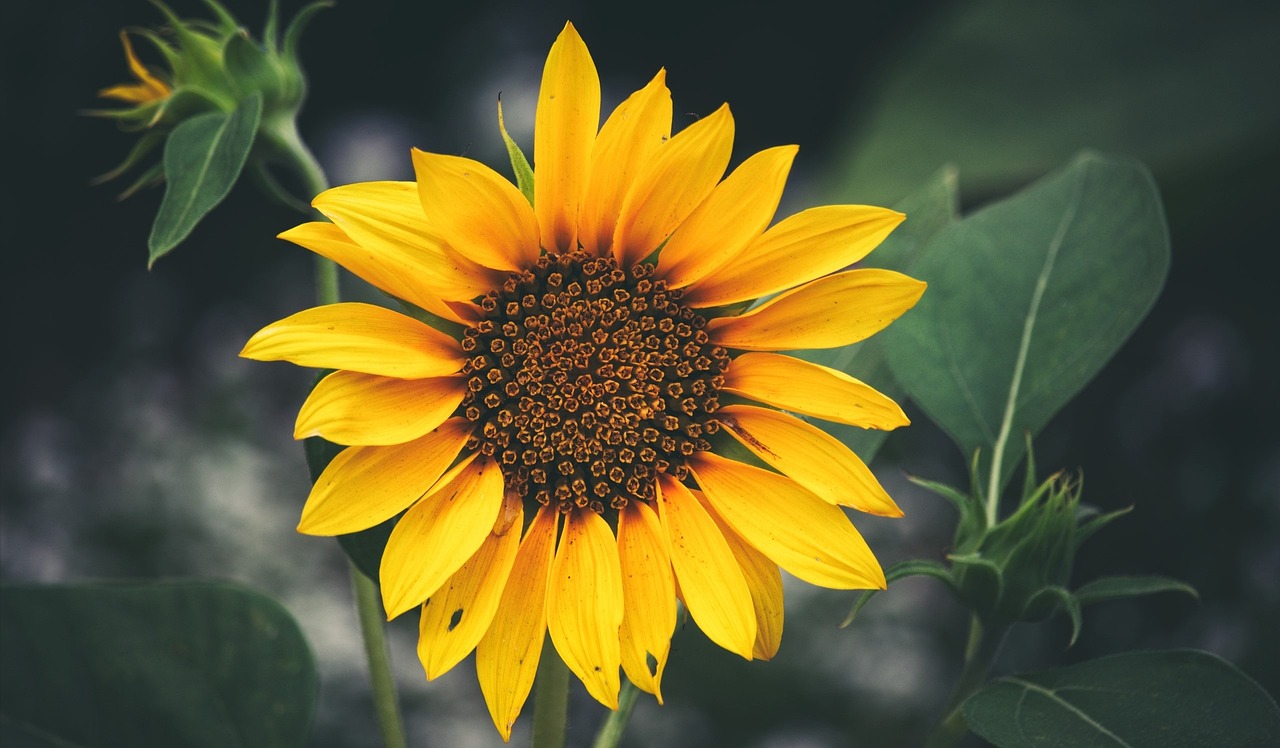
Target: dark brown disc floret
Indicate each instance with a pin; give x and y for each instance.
(585, 380)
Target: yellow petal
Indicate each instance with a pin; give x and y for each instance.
(507, 656)
(711, 581)
(406, 274)
(829, 312)
(649, 595)
(386, 218)
(137, 68)
(357, 337)
(805, 246)
(735, 213)
(566, 122)
(626, 141)
(584, 604)
(765, 582)
(439, 533)
(149, 87)
(802, 387)
(477, 212)
(363, 486)
(679, 176)
(132, 93)
(456, 617)
(363, 409)
(800, 532)
(809, 456)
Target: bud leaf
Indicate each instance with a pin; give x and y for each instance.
(203, 159)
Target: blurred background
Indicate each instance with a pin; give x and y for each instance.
(134, 444)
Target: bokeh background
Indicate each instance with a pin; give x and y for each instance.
(134, 444)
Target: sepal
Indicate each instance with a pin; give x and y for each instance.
(901, 570)
(1118, 588)
(519, 163)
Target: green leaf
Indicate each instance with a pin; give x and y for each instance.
(519, 164)
(1007, 89)
(1027, 300)
(1174, 699)
(164, 663)
(202, 160)
(928, 210)
(1114, 588)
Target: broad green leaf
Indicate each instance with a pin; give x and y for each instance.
(1027, 300)
(1115, 588)
(1174, 699)
(202, 160)
(928, 210)
(1006, 90)
(190, 664)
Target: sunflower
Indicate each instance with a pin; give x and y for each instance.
(593, 426)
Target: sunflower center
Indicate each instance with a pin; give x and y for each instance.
(586, 380)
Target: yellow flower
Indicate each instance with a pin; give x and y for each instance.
(148, 89)
(561, 461)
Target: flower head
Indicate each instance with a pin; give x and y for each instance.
(593, 424)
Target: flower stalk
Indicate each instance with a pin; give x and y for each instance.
(385, 701)
(616, 723)
(551, 702)
(294, 152)
(980, 654)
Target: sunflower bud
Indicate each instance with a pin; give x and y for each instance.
(209, 66)
(1014, 570)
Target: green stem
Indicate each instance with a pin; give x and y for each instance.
(283, 137)
(385, 703)
(551, 702)
(613, 727)
(980, 654)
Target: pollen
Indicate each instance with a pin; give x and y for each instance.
(586, 380)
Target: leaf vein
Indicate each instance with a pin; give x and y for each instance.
(1052, 695)
(1037, 296)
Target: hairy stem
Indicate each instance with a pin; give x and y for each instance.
(980, 654)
